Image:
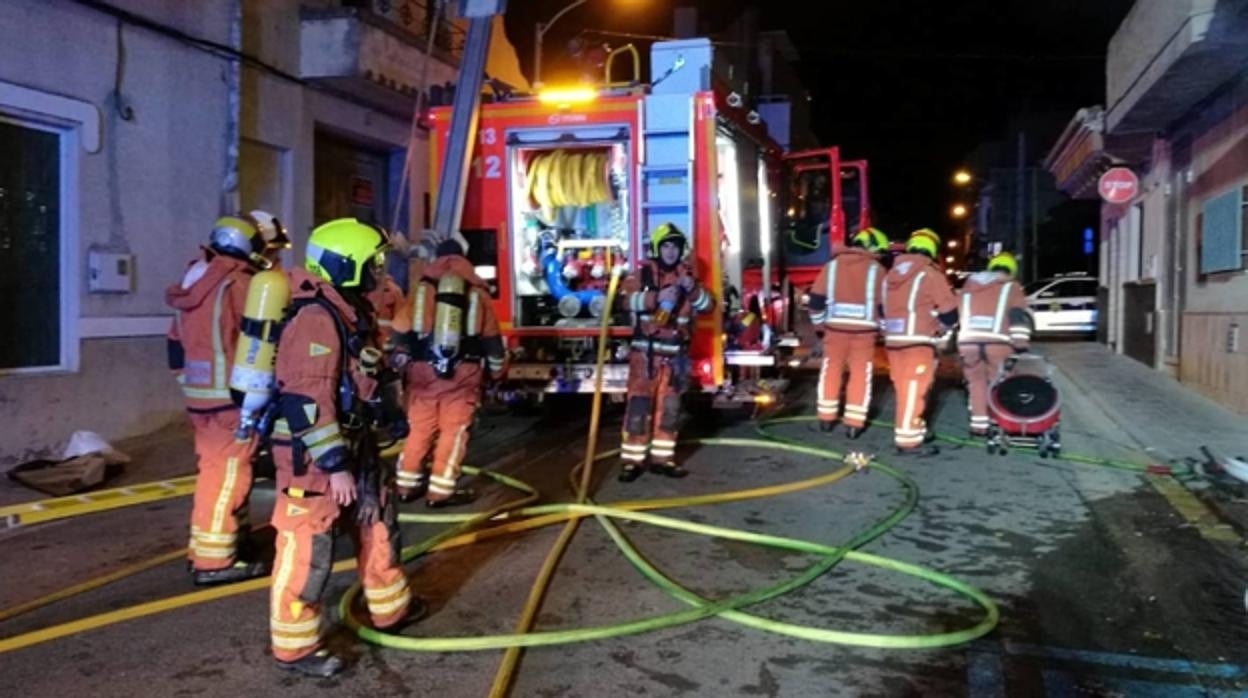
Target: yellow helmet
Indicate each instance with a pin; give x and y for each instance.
(239, 237)
(1004, 261)
(665, 233)
(924, 240)
(872, 239)
(339, 251)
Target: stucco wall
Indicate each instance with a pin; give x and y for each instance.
(148, 191)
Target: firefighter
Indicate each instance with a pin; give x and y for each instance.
(994, 322)
(664, 296)
(918, 303)
(276, 239)
(386, 299)
(448, 337)
(328, 467)
(844, 300)
(208, 305)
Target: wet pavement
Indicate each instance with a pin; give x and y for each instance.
(1104, 587)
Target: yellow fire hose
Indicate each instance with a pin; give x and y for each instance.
(511, 658)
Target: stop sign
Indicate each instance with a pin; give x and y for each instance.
(1118, 185)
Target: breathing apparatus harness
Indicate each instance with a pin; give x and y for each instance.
(453, 339)
(356, 416)
(661, 319)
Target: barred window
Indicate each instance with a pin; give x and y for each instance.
(1222, 232)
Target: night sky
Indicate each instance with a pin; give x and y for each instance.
(911, 85)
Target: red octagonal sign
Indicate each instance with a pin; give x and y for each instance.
(1119, 185)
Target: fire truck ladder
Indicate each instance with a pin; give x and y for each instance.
(666, 169)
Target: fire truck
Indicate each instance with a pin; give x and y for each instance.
(566, 185)
(825, 201)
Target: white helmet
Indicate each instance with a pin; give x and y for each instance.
(272, 230)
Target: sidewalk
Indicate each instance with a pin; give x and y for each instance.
(1168, 420)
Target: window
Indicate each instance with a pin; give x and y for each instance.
(30, 232)
(1077, 289)
(1222, 232)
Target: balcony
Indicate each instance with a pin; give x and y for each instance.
(374, 51)
(1168, 55)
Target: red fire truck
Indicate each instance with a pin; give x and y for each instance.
(566, 185)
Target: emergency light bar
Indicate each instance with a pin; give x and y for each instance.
(567, 96)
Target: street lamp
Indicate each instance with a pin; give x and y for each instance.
(542, 28)
(959, 211)
(953, 244)
(962, 177)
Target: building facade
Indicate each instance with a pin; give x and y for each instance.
(1173, 259)
(132, 130)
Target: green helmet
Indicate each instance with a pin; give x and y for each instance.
(340, 250)
(667, 232)
(871, 239)
(924, 240)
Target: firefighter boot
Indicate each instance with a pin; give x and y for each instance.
(237, 572)
(827, 425)
(854, 432)
(630, 472)
(924, 450)
(417, 609)
(321, 664)
(668, 469)
(411, 494)
(460, 497)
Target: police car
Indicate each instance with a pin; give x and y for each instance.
(1064, 304)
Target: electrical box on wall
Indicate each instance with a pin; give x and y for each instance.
(110, 272)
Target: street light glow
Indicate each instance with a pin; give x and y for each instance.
(962, 177)
(949, 259)
(959, 211)
(953, 244)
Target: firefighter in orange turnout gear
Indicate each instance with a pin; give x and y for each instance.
(209, 304)
(664, 296)
(918, 302)
(445, 335)
(994, 323)
(328, 467)
(387, 301)
(845, 301)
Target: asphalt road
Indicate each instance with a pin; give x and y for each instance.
(1104, 589)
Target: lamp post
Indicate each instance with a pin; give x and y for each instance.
(542, 28)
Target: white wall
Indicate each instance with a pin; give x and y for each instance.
(150, 190)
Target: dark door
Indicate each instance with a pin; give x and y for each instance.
(1139, 325)
(350, 182)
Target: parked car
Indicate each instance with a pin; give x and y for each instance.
(1063, 305)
